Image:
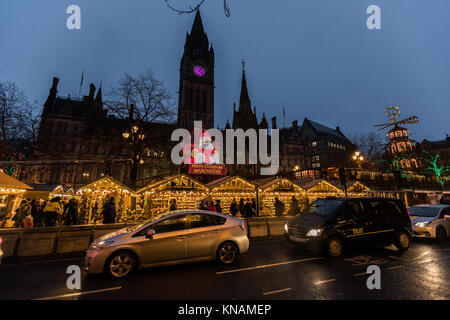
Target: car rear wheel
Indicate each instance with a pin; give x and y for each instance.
(120, 264)
(402, 240)
(227, 253)
(334, 247)
(441, 235)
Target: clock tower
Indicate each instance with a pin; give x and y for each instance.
(196, 92)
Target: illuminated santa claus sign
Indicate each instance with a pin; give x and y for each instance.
(204, 158)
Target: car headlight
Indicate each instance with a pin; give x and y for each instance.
(101, 244)
(286, 228)
(422, 224)
(314, 233)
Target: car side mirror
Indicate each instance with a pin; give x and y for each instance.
(447, 217)
(150, 234)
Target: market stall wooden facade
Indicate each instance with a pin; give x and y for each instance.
(283, 189)
(318, 189)
(11, 193)
(94, 195)
(228, 188)
(187, 192)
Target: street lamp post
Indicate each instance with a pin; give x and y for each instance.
(358, 157)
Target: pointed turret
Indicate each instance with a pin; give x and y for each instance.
(52, 95)
(264, 124)
(99, 97)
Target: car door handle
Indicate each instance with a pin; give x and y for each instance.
(215, 231)
(181, 238)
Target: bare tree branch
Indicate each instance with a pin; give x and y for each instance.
(192, 9)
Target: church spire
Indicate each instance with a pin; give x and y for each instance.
(244, 90)
(197, 27)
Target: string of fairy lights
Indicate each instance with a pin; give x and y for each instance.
(189, 192)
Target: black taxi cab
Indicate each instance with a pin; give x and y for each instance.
(329, 225)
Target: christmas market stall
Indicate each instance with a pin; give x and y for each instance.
(187, 193)
(357, 189)
(321, 188)
(94, 195)
(49, 191)
(292, 196)
(228, 188)
(11, 193)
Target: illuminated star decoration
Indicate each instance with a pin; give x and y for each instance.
(393, 113)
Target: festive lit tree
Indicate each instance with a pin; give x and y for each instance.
(439, 171)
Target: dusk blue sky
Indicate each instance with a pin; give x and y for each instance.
(315, 57)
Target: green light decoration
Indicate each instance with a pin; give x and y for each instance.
(440, 171)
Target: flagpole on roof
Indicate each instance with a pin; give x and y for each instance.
(81, 84)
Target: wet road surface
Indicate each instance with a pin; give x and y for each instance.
(271, 270)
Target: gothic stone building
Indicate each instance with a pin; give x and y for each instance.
(79, 142)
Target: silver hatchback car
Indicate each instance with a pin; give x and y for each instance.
(177, 237)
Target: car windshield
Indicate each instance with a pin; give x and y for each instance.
(323, 207)
(424, 211)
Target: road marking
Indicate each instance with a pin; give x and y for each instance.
(421, 255)
(324, 281)
(276, 291)
(267, 266)
(425, 261)
(80, 293)
(395, 267)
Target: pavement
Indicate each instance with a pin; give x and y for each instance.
(271, 270)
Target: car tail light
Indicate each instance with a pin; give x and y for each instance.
(1, 240)
(408, 212)
(242, 225)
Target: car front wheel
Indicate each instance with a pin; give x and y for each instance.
(402, 240)
(441, 235)
(227, 253)
(120, 264)
(334, 247)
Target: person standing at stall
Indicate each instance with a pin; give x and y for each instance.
(241, 207)
(234, 208)
(21, 212)
(203, 205)
(218, 207)
(211, 206)
(279, 207)
(52, 211)
(248, 210)
(109, 212)
(295, 208)
(173, 205)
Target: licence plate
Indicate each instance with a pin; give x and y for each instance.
(297, 239)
